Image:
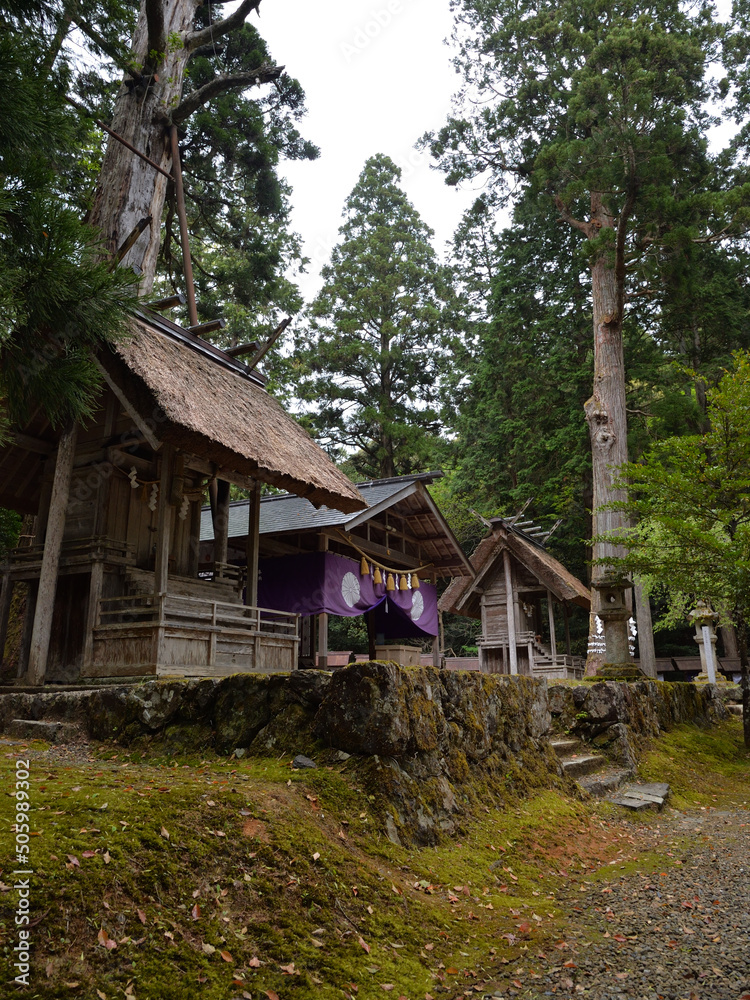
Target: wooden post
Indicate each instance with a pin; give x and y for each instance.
(253, 546)
(436, 651)
(552, 636)
(163, 523)
(45, 603)
(323, 620)
(566, 619)
(647, 653)
(6, 594)
(370, 618)
(194, 560)
(96, 585)
(28, 625)
(510, 604)
(220, 514)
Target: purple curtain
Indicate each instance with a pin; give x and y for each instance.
(314, 582)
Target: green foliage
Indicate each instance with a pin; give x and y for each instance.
(690, 497)
(58, 299)
(380, 330)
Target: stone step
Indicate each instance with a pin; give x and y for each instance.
(601, 783)
(734, 709)
(563, 747)
(580, 764)
(52, 732)
(639, 797)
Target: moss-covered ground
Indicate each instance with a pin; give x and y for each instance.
(169, 877)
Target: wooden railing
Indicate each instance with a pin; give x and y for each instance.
(170, 609)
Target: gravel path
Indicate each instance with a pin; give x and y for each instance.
(678, 934)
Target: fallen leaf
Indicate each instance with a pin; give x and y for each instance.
(208, 949)
(105, 940)
(289, 970)
(254, 962)
(386, 986)
(106, 857)
(226, 956)
(450, 971)
(271, 995)
(363, 944)
(102, 996)
(74, 860)
(141, 916)
(165, 833)
(195, 913)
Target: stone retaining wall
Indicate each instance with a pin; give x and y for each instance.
(430, 745)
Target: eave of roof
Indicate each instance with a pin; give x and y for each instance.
(196, 397)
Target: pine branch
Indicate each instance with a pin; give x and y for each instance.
(220, 84)
(235, 20)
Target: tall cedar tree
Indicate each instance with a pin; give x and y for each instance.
(599, 109)
(380, 333)
(690, 497)
(58, 299)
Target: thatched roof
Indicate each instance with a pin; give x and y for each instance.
(463, 595)
(206, 403)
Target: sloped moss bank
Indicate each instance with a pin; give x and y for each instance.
(430, 746)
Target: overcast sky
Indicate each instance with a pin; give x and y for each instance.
(377, 76)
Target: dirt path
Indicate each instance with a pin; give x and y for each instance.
(682, 933)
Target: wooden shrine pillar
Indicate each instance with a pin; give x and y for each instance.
(6, 594)
(163, 522)
(511, 608)
(194, 558)
(55, 528)
(218, 490)
(566, 619)
(552, 636)
(96, 586)
(644, 624)
(252, 548)
(371, 651)
(323, 620)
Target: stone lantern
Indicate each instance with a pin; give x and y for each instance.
(615, 616)
(704, 619)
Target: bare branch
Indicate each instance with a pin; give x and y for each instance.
(118, 57)
(584, 227)
(235, 20)
(220, 84)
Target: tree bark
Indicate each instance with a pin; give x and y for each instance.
(128, 189)
(605, 410)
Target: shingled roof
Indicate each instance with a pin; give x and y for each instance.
(192, 394)
(464, 593)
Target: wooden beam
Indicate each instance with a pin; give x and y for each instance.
(42, 630)
(389, 556)
(510, 604)
(32, 444)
